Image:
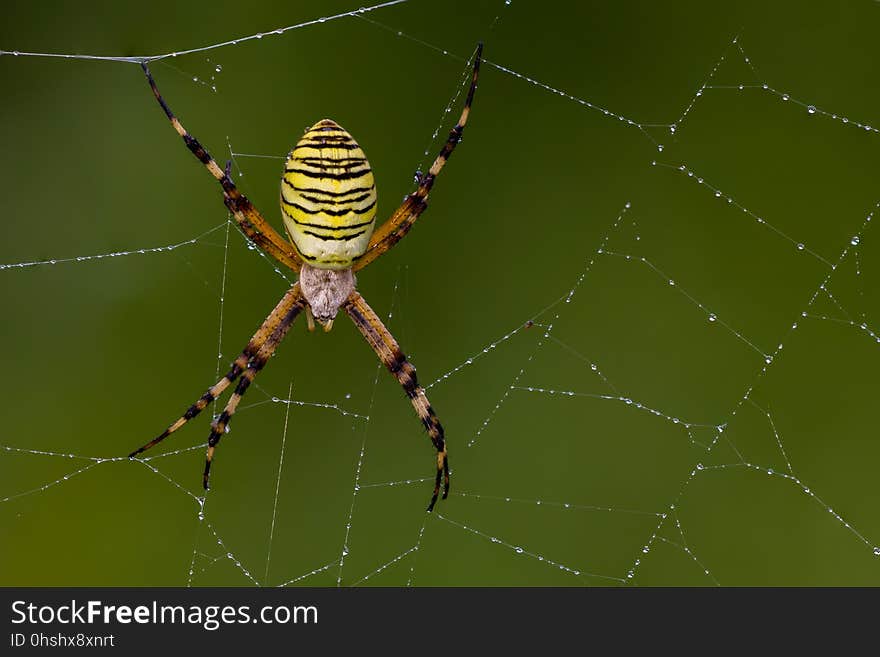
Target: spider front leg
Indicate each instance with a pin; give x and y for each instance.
(255, 365)
(259, 348)
(389, 352)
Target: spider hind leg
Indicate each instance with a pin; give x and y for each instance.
(249, 220)
(399, 224)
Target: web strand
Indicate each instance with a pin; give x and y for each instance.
(138, 59)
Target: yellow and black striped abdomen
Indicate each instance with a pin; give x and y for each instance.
(328, 197)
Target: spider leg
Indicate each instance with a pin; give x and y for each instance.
(398, 225)
(254, 366)
(249, 220)
(389, 352)
(266, 331)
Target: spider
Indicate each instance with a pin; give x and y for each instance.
(328, 204)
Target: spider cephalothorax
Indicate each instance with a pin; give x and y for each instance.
(325, 290)
(328, 201)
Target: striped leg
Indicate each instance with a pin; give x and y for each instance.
(249, 220)
(386, 347)
(266, 331)
(257, 362)
(394, 230)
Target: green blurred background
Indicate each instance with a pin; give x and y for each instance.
(101, 354)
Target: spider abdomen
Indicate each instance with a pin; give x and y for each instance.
(328, 197)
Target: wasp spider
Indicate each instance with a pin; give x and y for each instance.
(328, 201)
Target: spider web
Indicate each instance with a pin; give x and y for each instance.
(643, 301)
